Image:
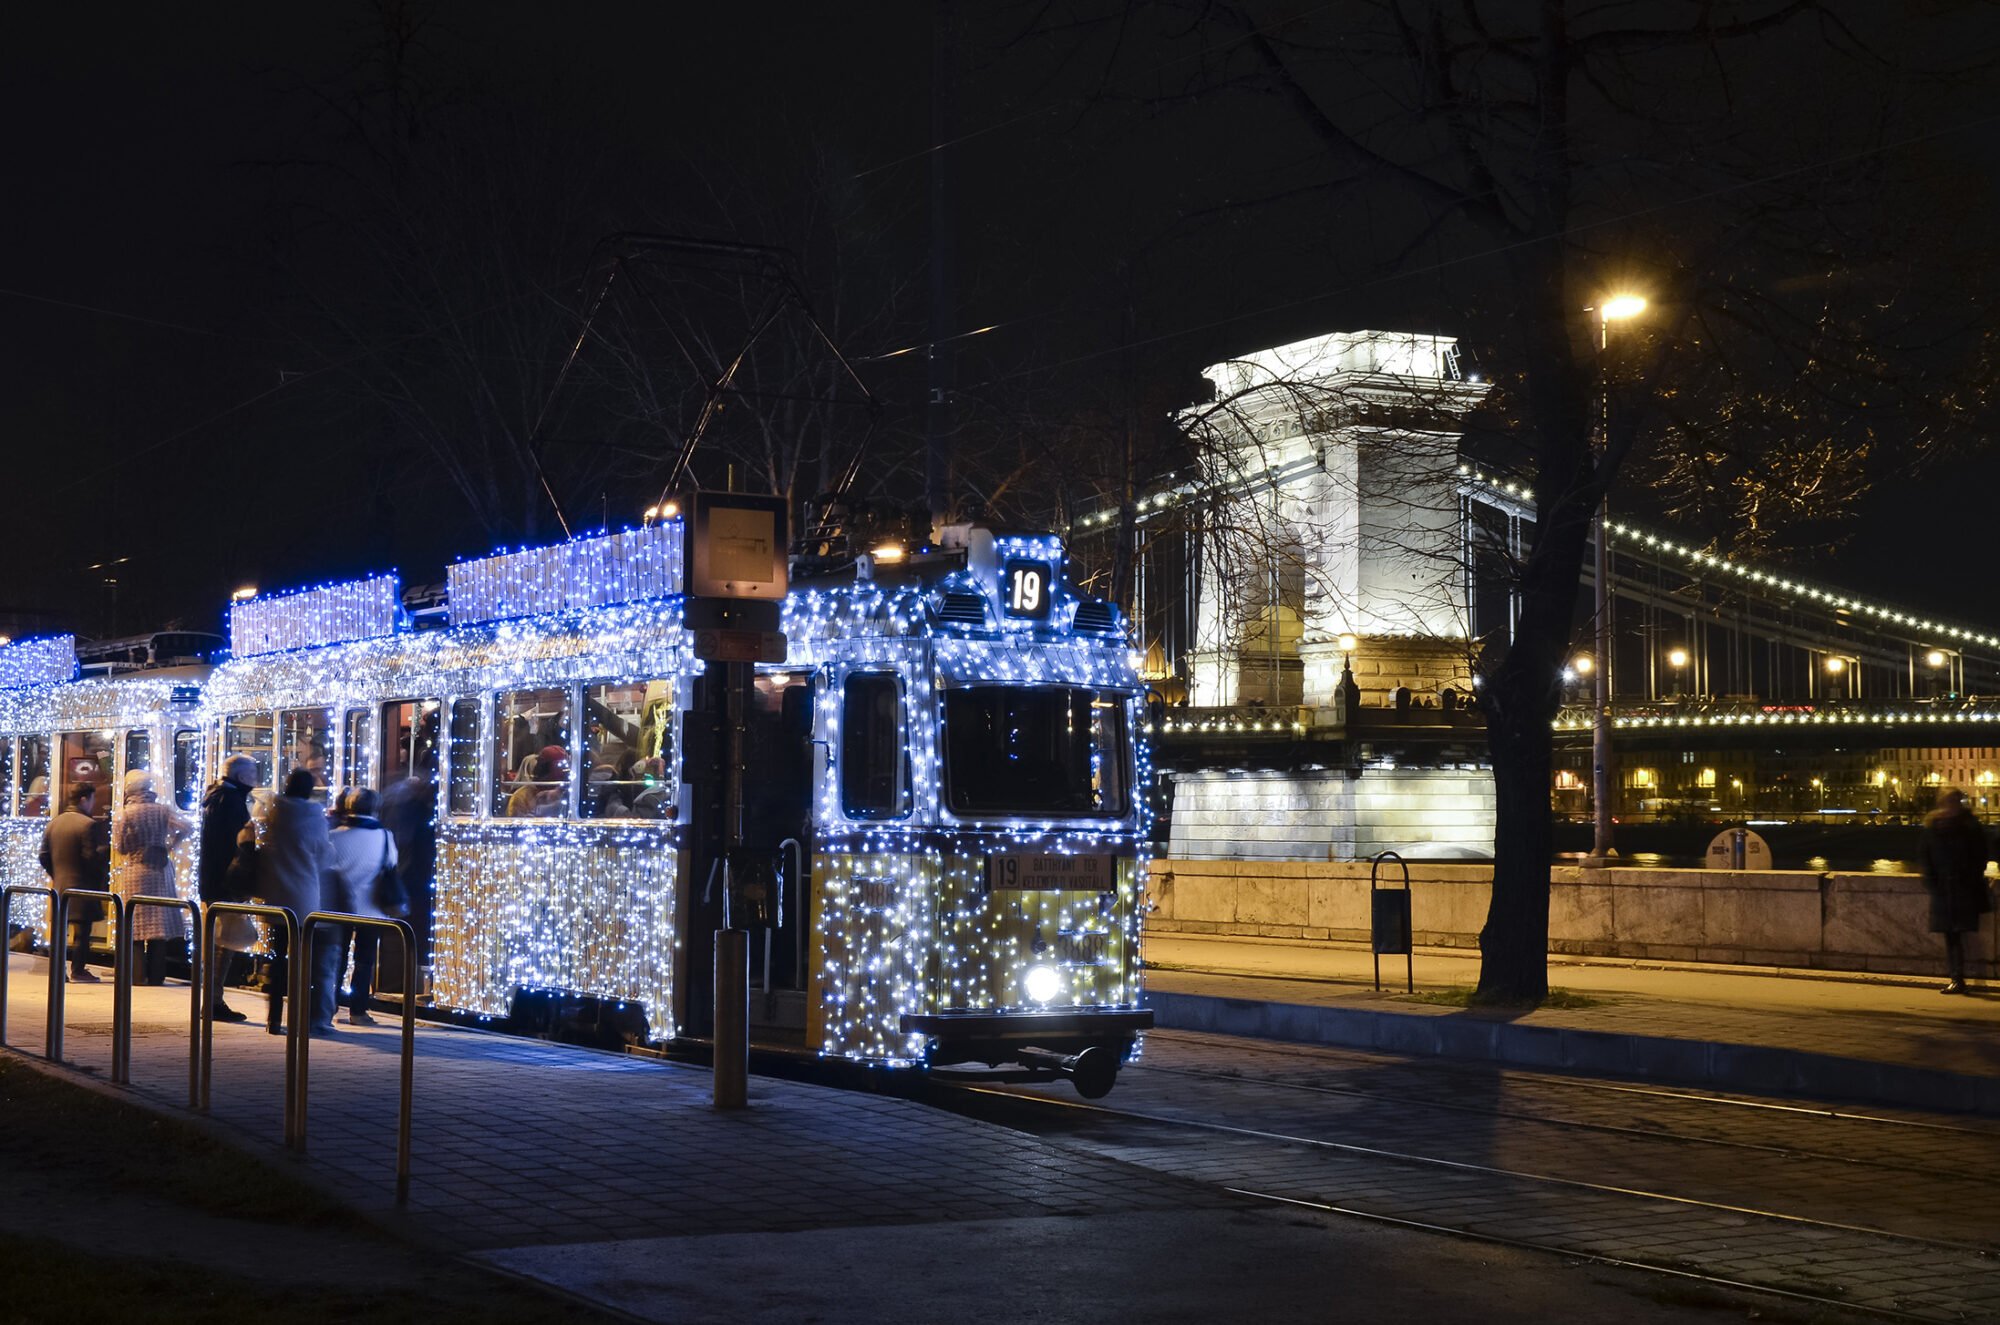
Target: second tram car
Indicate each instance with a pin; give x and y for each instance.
(948, 762)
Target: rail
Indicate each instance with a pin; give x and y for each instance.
(300, 1039)
(121, 993)
(7, 896)
(59, 984)
(211, 914)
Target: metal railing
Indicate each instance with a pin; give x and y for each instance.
(7, 896)
(121, 1012)
(301, 1039)
(121, 992)
(299, 940)
(212, 913)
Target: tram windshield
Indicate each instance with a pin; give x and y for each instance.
(1035, 750)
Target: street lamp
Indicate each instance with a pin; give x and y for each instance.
(1677, 658)
(1612, 308)
(1350, 693)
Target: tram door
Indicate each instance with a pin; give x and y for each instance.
(407, 777)
(777, 816)
(777, 801)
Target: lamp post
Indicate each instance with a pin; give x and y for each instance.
(1677, 658)
(1617, 308)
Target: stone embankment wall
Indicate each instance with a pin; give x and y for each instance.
(1833, 922)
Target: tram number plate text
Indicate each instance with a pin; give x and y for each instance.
(1026, 870)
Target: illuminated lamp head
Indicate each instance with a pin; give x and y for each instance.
(1042, 983)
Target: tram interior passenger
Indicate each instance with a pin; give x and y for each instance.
(627, 733)
(34, 772)
(86, 760)
(532, 730)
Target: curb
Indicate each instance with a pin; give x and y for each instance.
(1712, 1064)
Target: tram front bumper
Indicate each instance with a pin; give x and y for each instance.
(999, 1037)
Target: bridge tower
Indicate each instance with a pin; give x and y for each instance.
(1338, 514)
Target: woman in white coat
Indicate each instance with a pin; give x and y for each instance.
(360, 851)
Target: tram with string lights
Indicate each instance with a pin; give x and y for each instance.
(945, 771)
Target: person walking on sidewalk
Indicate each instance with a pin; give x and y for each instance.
(147, 833)
(76, 852)
(360, 852)
(290, 861)
(1954, 854)
(225, 813)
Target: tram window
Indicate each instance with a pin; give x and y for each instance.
(464, 757)
(6, 775)
(305, 741)
(354, 748)
(874, 780)
(410, 740)
(33, 767)
(531, 753)
(86, 758)
(627, 750)
(1036, 750)
(138, 749)
(251, 734)
(187, 768)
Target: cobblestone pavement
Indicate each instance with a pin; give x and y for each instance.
(519, 1142)
(1889, 1211)
(618, 1168)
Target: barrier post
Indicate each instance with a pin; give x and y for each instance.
(121, 1007)
(7, 896)
(406, 934)
(212, 913)
(122, 967)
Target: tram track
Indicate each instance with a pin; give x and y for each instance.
(1320, 1054)
(1155, 1140)
(1575, 1124)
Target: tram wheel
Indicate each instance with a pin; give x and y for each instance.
(1094, 1072)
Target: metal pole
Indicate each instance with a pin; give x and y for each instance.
(297, 1050)
(732, 946)
(1601, 780)
(204, 1052)
(52, 1045)
(7, 895)
(732, 1018)
(121, 996)
(406, 933)
(198, 1002)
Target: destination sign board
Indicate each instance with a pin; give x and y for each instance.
(1037, 870)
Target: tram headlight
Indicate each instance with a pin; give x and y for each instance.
(1042, 983)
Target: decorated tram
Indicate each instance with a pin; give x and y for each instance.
(946, 769)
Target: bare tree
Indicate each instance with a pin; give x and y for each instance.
(1552, 154)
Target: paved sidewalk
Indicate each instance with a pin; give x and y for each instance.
(522, 1142)
(1876, 1039)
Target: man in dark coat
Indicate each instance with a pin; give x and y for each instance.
(225, 809)
(1954, 854)
(76, 851)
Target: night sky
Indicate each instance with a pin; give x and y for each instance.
(195, 321)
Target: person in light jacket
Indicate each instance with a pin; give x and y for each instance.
(359, 851)
(1954, 853)
(76, 849)
(147, 833)
(291, 858)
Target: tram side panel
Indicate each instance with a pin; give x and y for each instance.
(581, 910)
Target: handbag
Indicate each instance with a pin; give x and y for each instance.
(391, 898)
(239, 877)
